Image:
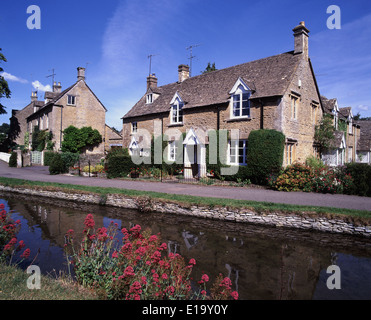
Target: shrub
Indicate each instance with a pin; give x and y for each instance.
(13, 160)
(296, 177)
(119, 166)
(361, 174)
(70, 158)
(264, 154)
(136, 267)
(48, 158)
(57, 165)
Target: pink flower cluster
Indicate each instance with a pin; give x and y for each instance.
(139, 268)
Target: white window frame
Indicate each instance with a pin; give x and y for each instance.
(69, 98)
(172, 150)
(176, 106)
(149, 98)
(234, 146)
(240, 94)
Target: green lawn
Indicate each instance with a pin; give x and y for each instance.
(189, 200)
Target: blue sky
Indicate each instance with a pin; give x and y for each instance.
(114, 38)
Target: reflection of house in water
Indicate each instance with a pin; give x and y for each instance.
(190, 240)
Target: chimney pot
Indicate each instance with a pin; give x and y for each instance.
(183, 72)
(57, 87)
(80, 73)
(33, 96)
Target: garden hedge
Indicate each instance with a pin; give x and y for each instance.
(264, 154)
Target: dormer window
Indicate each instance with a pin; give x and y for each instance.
(176, 112)
(149, 98)
(240, 95)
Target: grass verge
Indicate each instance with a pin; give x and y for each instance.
(188, 200)
(13, 286)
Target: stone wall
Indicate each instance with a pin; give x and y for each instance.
(304, 221)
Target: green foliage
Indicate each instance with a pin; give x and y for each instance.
(314, 162)
(41, 138)
(4, 88)
(13, 160)
(57, 165)
(69, 158)
(76, 140)
(48, 157)
(324, 133)
(210, 68)
(264, 154)
(119, 166)
(361, 173)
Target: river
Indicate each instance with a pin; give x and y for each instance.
(262, 262)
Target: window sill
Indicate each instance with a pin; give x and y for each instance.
(180, 124)
(239, 119)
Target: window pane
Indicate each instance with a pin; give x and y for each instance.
(246, 108)
(233, 159)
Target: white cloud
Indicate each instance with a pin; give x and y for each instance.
(40, 87)
(362, 107)
(9, 77)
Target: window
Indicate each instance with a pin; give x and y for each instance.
(238, 152)
(173, 148)
(350, 126)
(314, 113)
(290, 153)
(350, 154)
(294, 107)
(134, 127)
(149, 98)
(241, 104)
(71, 100)
(177, 112)
(47, 120)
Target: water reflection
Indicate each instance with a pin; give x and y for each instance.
(263, 263)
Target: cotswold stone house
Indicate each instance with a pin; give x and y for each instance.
(347, 133)
(279, 92)
(77, 105)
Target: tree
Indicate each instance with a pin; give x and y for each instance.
(210, 68)
(4, 88)
(76, 140)
(324, 134)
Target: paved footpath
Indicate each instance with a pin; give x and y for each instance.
(301, 198)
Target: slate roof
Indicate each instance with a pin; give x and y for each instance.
(328, 104)
(266, 77)
(364, 142)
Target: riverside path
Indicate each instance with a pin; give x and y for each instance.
(37, 173)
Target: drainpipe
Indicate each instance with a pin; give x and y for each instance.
(61, 133)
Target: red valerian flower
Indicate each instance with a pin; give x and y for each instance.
(89, 221)
(192, 261)
(26, 253)
(234, 295)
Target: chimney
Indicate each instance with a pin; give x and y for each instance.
(33, 96)
(151, 81)
(301, 40)
(80, 73)
(183, 72)
(57, 87)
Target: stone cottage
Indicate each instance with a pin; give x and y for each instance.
(347, 133)
(77, 105)
(278, 92)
